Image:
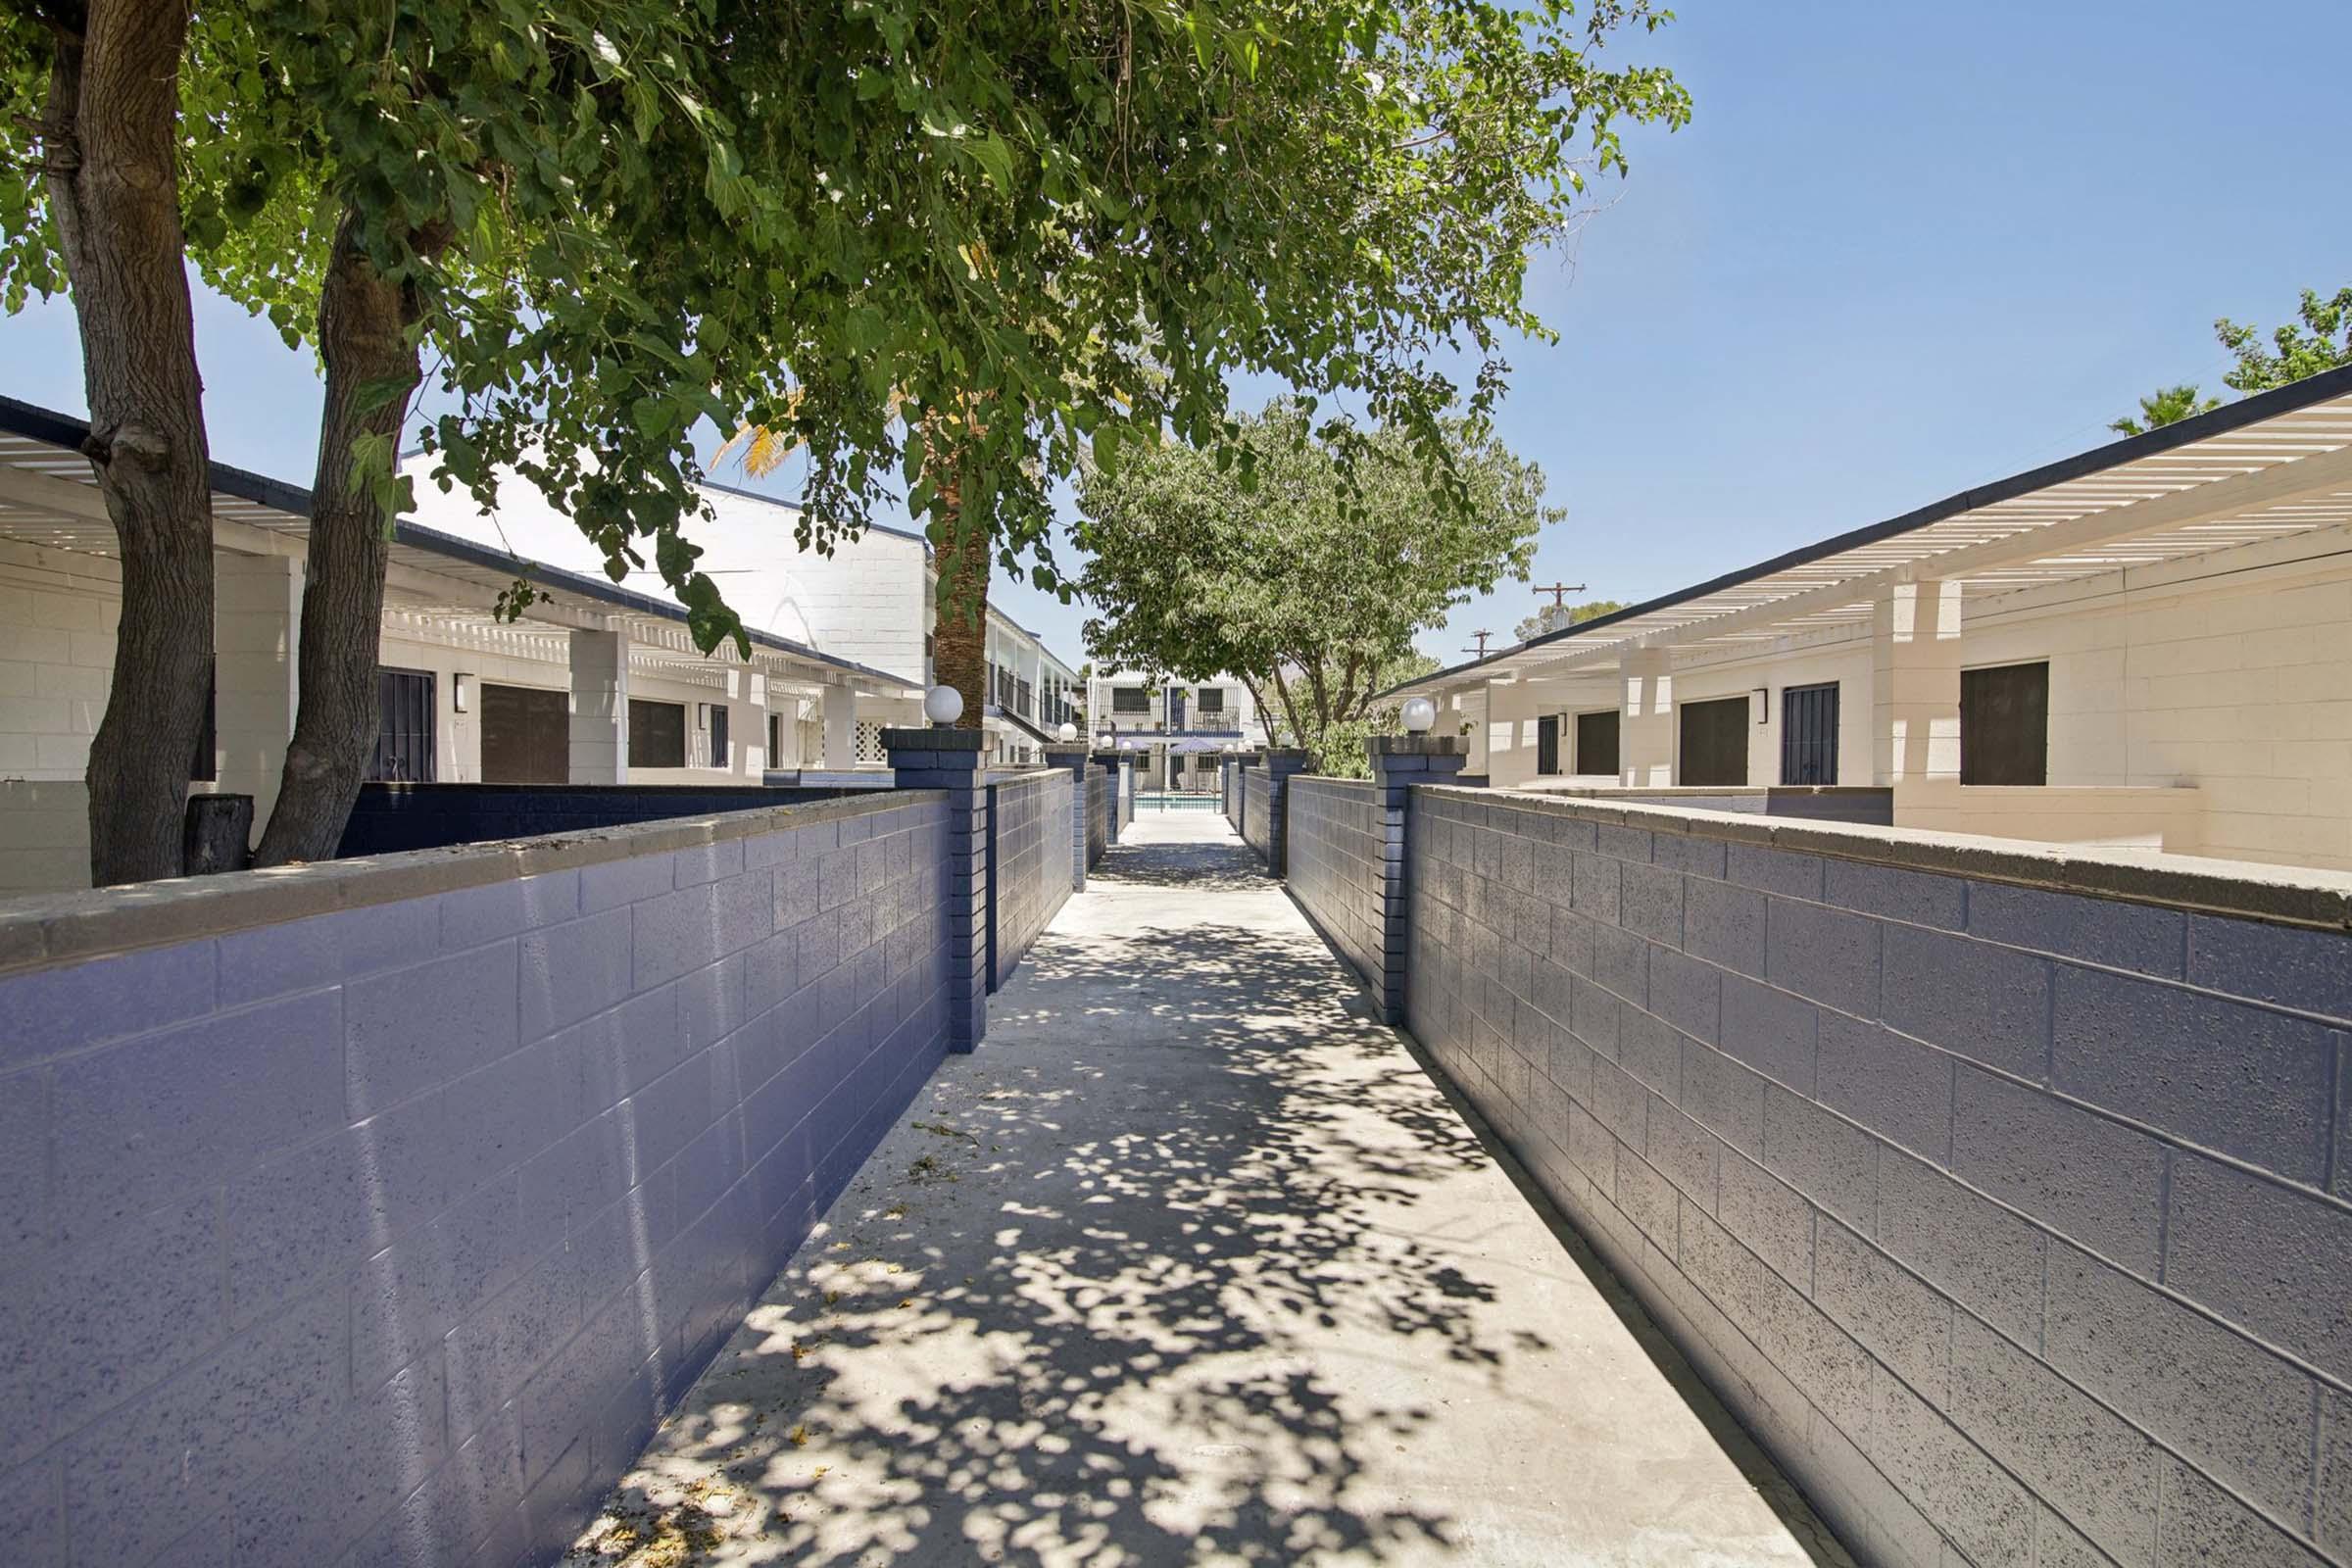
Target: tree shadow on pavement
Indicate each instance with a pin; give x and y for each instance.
(1073, 1310)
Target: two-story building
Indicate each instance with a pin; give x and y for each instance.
(870, 600)
(1178, 729)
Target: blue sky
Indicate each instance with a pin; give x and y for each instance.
(1902, 249)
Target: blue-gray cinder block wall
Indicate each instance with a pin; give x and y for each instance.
(949, 761)
(1029, 862)
(2016, 1221)
(1264, 811)
(386, 1233)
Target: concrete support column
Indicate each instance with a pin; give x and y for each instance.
(747, 725)
(1398, 762)
(1915, 684)
(1645, 717)
(946, 759)
(600, 708)
(841, 729)
(1071, 758)
(257, 632)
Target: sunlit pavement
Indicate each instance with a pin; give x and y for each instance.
(1192, 1263)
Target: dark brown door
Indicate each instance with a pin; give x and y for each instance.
(1714, 742)
(2005, 725)
(526, 736)
(1596, 743)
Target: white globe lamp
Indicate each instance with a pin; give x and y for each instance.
(1067, 732)
(1419, 715)
(943, 706)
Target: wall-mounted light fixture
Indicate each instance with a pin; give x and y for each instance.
(1760, 702)
(460, 690)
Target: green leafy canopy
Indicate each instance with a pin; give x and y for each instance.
(622, 219)
(1310, 580)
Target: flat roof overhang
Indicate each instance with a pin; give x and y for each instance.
(49, 498)
(2270, 466)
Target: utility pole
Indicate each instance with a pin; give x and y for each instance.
(1481, 649)
(1559, 592)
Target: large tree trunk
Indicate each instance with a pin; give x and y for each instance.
(959, 618)
(364, 322)
(112, 115)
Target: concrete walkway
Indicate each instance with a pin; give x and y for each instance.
(1192, 1265)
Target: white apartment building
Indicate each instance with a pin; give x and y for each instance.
(1179, 730)
(598, 683)
(2148, 644)
(870, 601)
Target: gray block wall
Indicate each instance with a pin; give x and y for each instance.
(1029, 856)
(1258, 798)
(386, 1235)
(2017, 1222)
(1338, 868)
(1099, 813)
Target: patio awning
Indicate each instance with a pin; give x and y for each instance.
(2276, 464)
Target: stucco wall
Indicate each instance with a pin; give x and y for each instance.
(1029, 834)
(395, 1229)
(2014, 1221)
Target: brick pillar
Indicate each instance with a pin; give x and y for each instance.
(1072, 756)
(1281, 762)
(1398, 762)
(950, 760)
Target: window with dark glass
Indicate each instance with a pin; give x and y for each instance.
(656, 734)
(718, 734)
(1596, 742)
(1130, 700)
(1713, 738)
(775, 739)
(1548, 744)
(527, 735)
(1213, 699)
(2005, 725)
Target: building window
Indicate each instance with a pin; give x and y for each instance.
(2005, 725)
(1548, 744)
(656, 734)
(1213, 699)
(1809, 734)
(527, 735)
(1130, 700)
(718, 735)
(775, 739)
(1596, 742)
(404, 734)
(1713, 738)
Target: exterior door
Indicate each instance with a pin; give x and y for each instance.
(1809, 734)
(1714, 742)
(1548, 744)
(404, 734)
(1175, 707)
(1596, 742)
(527, 735)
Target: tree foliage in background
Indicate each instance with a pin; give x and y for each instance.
(1553, 618)
(2165, 406)
(2296, 350)
(589, 227)
(1308, 579)
(2319, 339)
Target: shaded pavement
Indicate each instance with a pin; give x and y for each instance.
(1191, 1263)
